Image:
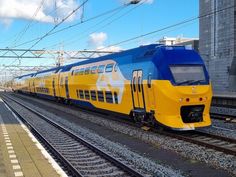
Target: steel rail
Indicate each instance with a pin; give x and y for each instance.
(72, 171)
(116, 162)
(186, 136)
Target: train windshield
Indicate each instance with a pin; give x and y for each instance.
(188, 75)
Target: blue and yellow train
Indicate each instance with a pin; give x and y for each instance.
(153, 84)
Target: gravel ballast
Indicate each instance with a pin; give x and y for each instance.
(192, 151)
(117, 150)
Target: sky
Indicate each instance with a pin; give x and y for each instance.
(25, 20)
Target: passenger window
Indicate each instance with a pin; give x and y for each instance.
(87, 97)
(109, 68)
(87, 70)
(109, 98)
(100, 96)
(93, 70)
(116, 98)
(101, 68)
(81, 71)
(72, 73)
(81, 94)
(93, 95)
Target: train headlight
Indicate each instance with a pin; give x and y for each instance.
(181, 99)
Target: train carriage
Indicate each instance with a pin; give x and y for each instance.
(164, 85)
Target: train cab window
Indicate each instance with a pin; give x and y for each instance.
(93, 95)
(109, 98)
(93, 70)
(87, 97)
(81, 94)
(188, 74)
(116, 97)
(101, 68)
(109, 68)
(87, 70)
(100, 96)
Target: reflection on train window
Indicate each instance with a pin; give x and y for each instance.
(87, 97)
(81, 94)
(93, 95)
(116, 98)
(109, 68)
(81, 71)
(93, 70)
(87, 70)
(100, 96)
(101, 68)
(109, 98)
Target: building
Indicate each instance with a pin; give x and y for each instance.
(191, 42)
(217, 43)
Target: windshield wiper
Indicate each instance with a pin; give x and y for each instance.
(197, 81)
(190, 82)
(185, 82)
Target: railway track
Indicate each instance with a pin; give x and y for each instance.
(78, 156)
(226, 118)
(211, 141)
(219, 143)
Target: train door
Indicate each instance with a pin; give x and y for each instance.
(137, 90)
(67, 87)
(34, 87)
(53, 87)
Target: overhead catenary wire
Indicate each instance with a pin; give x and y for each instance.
(92, 27)
(76, 24)
(62, 21)
(21, 34)
(169, 27)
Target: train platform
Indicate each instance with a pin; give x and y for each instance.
(20, 153)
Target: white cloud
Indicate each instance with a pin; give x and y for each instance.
(24, 9)
(97, 39)
(110, 49)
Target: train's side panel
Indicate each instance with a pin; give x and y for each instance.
(106, 90)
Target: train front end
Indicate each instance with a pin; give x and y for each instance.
(183, 91)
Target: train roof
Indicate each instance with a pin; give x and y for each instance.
(139, 52)
(135, 53)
